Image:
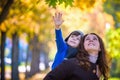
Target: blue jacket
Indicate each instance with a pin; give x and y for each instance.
(61, 49)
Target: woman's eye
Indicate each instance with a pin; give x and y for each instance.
(94, 38)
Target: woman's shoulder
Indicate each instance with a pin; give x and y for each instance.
(71, 60)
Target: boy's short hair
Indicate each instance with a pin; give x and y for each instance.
(76, 32)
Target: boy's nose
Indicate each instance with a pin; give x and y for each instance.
(74, 38)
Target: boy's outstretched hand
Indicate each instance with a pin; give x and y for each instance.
(58, 20)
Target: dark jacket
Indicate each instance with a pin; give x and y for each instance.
(71, 70)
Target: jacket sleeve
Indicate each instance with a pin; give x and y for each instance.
(59, 40)
(62, 72)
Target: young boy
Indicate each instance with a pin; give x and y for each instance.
(68, 48)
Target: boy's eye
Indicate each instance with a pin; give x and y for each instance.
(72, 36)
(78, 38)
(87, 39)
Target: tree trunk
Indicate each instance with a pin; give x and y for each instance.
(5, 10)
(3, 15)
(2, 55)
(35, 56)
(15, 54)
(44, 49)
(26, 64)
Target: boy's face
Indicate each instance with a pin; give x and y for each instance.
(74, 40)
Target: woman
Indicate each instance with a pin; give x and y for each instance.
(89, 64)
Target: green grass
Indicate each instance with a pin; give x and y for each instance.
(114, 79)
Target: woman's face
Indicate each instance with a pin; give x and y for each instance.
(91, 43)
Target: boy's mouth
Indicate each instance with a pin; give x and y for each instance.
(72, 42)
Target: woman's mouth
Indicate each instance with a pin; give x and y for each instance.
(91, 44)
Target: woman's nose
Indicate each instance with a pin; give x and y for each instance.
(90, 40)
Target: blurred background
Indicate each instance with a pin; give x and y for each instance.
(27, 38)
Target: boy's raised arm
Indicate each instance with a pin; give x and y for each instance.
(58, 20)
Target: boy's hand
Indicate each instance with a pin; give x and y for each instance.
(58, 20)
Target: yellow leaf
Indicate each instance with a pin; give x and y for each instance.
(2, 27)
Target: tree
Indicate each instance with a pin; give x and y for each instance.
(112, 7)
(5, 6)
(30, 19)
(34, 19)
(82, 4)
(113, 48)
(15, 53)
(112, 35)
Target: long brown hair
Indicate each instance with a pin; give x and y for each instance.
(101, 61)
